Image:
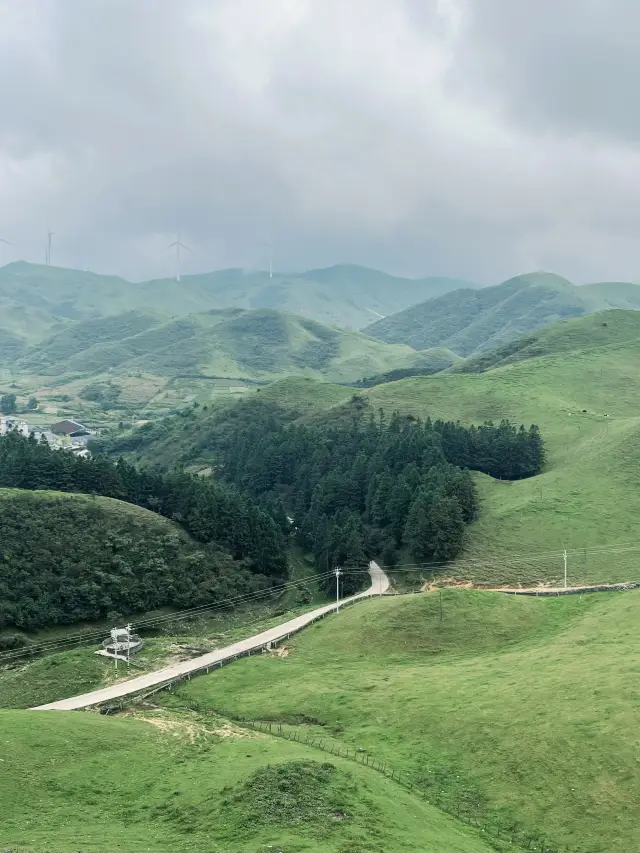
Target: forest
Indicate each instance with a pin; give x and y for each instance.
(53, 572)
(210, 512)
(350, 486)
(69, 558)
(363, 485)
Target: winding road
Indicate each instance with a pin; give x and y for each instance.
(178, 671)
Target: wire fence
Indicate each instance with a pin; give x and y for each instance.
(501, 834)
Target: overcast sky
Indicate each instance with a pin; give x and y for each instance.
(471, 138)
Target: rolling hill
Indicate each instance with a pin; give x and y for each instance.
(520, 715)
(581, 384)
(71, 557)
(34, 298)
(579, 381)
(200, 786)
(134, 359)
(469, 321)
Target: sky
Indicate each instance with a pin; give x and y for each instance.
(471, 138)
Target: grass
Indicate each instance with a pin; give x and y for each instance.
(125, 785)
(587, 495)
(522, 713)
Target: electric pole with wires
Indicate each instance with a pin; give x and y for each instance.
(337, 572)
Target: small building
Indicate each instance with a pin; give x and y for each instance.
(72, 429)
(13, 425)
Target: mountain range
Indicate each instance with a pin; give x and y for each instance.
(469, 321)
(261, 344)
(33, 298)
(100, 342)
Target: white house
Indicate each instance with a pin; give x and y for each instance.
(8, 424)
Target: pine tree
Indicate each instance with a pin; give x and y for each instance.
(418, 530)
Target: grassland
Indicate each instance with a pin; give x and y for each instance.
(148, 783)
(582, 387)
(520, 713)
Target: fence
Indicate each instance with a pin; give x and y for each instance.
(502, 837)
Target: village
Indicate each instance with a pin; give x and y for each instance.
(63, 435)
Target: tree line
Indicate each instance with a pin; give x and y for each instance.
(214, 514)
(360, 485)
(72, 558)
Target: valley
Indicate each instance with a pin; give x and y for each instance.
(441, 715)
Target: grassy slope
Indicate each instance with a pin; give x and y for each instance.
(122, 785)
(517, 711)
(469, 321)
(588, 494)
(142, 352)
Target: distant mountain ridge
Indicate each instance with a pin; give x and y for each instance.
(33, 297)
(469, 321)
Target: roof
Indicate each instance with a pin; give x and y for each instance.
(70, 428)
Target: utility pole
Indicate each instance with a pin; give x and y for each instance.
(128, 642)
(565, 569)
(337, 572)
(441, 604)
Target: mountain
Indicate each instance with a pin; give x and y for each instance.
(132, 357)
(469, 321)
(344, 295)
(33, 298)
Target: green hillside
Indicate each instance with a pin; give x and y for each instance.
(154, 783)
(34, 297)
(581, 385)
(520, 714)
(470, 321)
(132, 358)
(346, 295)
(578, 380)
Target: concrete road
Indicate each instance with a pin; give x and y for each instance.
(379, 585)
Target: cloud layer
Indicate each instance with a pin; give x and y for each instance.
(473, 139)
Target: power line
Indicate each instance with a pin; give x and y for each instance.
(86, 638)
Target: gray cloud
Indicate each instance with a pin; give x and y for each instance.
(432, 137)
(572, 64)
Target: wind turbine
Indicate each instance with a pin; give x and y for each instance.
(270, 248)
(50, 234)
(178, 245)
(3, 243)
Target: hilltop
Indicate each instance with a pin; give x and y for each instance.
(74, 557)
(469, 321)
(34, 298)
